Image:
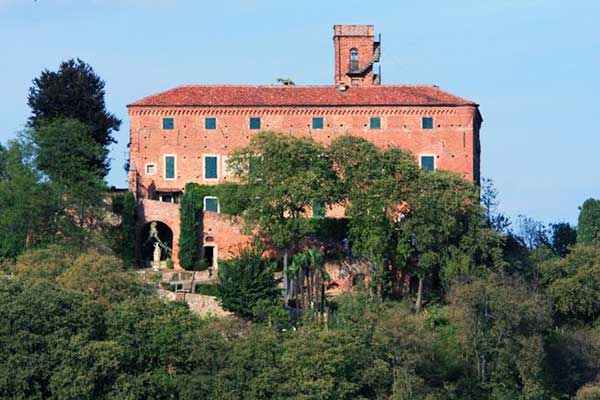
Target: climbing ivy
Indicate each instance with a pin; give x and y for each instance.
(233, 198)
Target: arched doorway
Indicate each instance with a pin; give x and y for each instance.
(155, 234)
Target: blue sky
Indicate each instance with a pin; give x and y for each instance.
(533, 65)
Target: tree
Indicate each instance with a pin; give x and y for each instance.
(156, 339)
(562, 237)
(489, 201)
(123, 235)
(444, 236)
(75, 91)
(40, 323)
(245, 281)
(501, 325)
(308, 268)
(284, 176)
(572, 359)
(573, 283)
(46, 263)
(63, 147)
(533, 233)
(25, 198)
(102, 277)
(588, 223)
(191, 228)
(374, 185)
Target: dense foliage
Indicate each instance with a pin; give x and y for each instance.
(190, 236)
(123, 234)
(75, 91)
(246, 281)
(588, 225)
(457, 302)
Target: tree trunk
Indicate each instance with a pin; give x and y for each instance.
(285, 277)
(192, 288)
(301, 280)
(309, 287)
(322, 299)
(419, 295)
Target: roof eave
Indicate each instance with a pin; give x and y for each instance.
(306, 105)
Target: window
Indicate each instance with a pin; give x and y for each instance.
(318, 209)
(170, 167)
(427, 123)
(317, 122)
(353, 60)
(150, 169)
(167, 197)
(254, 123)
(375, 123)
(210, 167)
(211, 203)
(210, 123)
(428, 163)
(168, 123)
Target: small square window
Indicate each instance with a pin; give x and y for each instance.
(375, 123)
(168, 123)
(211, 204)
(428, 163)
(210, 167)
(150, 169)
(318, 209)
(254, 123)
(427, 123)
(210, 123)
(317, 122)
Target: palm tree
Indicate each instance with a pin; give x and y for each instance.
(308, 279)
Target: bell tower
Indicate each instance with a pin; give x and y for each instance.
(356, 52)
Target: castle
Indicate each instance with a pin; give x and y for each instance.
(185, 134)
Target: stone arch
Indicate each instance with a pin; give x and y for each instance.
(147, 242)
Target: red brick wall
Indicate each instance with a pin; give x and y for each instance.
(345, 38)
(454, 142)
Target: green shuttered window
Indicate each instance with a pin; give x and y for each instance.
(375, 123)
(427, 123)
(211, 204)
(428, 163)
(318, 209)
(255, 123)
(168, 123)
(169, 167)
(210, 123)
(210, 167)
(317, 122)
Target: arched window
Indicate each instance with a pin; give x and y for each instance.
(353, 59)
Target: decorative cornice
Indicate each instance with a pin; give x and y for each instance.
(216, 111)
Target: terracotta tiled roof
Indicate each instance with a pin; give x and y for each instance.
(240, 96)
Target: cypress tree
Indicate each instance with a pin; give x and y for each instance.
(588, 224)
(190, 214)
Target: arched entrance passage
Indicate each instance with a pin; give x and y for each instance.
(155, 232)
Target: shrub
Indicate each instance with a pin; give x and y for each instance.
(103, 277)
(245, 280)
(45, 263)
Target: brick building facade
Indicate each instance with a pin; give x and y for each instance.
(185, 134)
